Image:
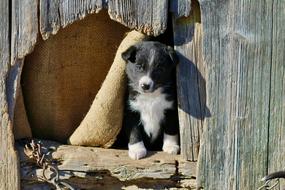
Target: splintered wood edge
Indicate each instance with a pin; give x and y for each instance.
(83, 162)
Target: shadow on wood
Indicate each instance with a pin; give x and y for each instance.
(89, 168)
(195, 93)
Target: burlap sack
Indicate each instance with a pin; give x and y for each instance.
(62, 76)
(103, 121)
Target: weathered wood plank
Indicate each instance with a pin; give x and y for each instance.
(9, 176)
(56, 14)
(13, 82)
(276, 154)
(190, 81)
(24, 27)
(72, 10)
(237, 50)
(49, 18)
(180, 8)
(24, 31)
(113, 164)
(149, 17)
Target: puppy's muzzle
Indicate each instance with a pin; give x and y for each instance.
(146, 84)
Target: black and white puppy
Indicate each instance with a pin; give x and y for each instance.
(151, 115)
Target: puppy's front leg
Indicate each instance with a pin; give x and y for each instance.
(171, 133)
(136, 146)
(170, 144)
(133, 129)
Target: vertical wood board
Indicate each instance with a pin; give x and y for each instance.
(9, 175)
(237, 51)
(276, 143)
(24, 33)
(149, 16)
(190, 81)
(56, 14)
(49, 18)
(181, 8)
(24, 27)
(71, 10)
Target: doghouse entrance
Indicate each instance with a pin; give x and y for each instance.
(63, 74)
(59, 81)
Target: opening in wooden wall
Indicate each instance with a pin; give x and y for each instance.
(60, 79)
(62, 75)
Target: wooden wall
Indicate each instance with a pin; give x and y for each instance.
(190, 77)
(231, 89)
(243, 49)
(22, 22)
(230, 77)
(9, 168)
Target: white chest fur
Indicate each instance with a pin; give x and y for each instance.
(151, 107)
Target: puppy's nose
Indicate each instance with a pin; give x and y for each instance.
(145, 86)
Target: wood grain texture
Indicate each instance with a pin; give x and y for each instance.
(56, 14)
(190, 81)
(9, 176)
(49, 18)
(24, 27)
(73, 10)
(276, 143)
(149, 17)
(237, 49)
(180, 8)
(110, 167)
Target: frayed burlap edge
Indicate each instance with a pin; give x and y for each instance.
(103, 121)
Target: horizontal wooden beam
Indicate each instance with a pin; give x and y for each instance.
(90, 167)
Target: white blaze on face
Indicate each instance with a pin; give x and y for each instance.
(152, 53)
(147, 81)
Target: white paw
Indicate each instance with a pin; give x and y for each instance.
(171, 148)
(170, 144)
(137, 151)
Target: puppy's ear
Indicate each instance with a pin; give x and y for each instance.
(130, 54)
(172, 54)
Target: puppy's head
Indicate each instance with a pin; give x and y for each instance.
(150, 65)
